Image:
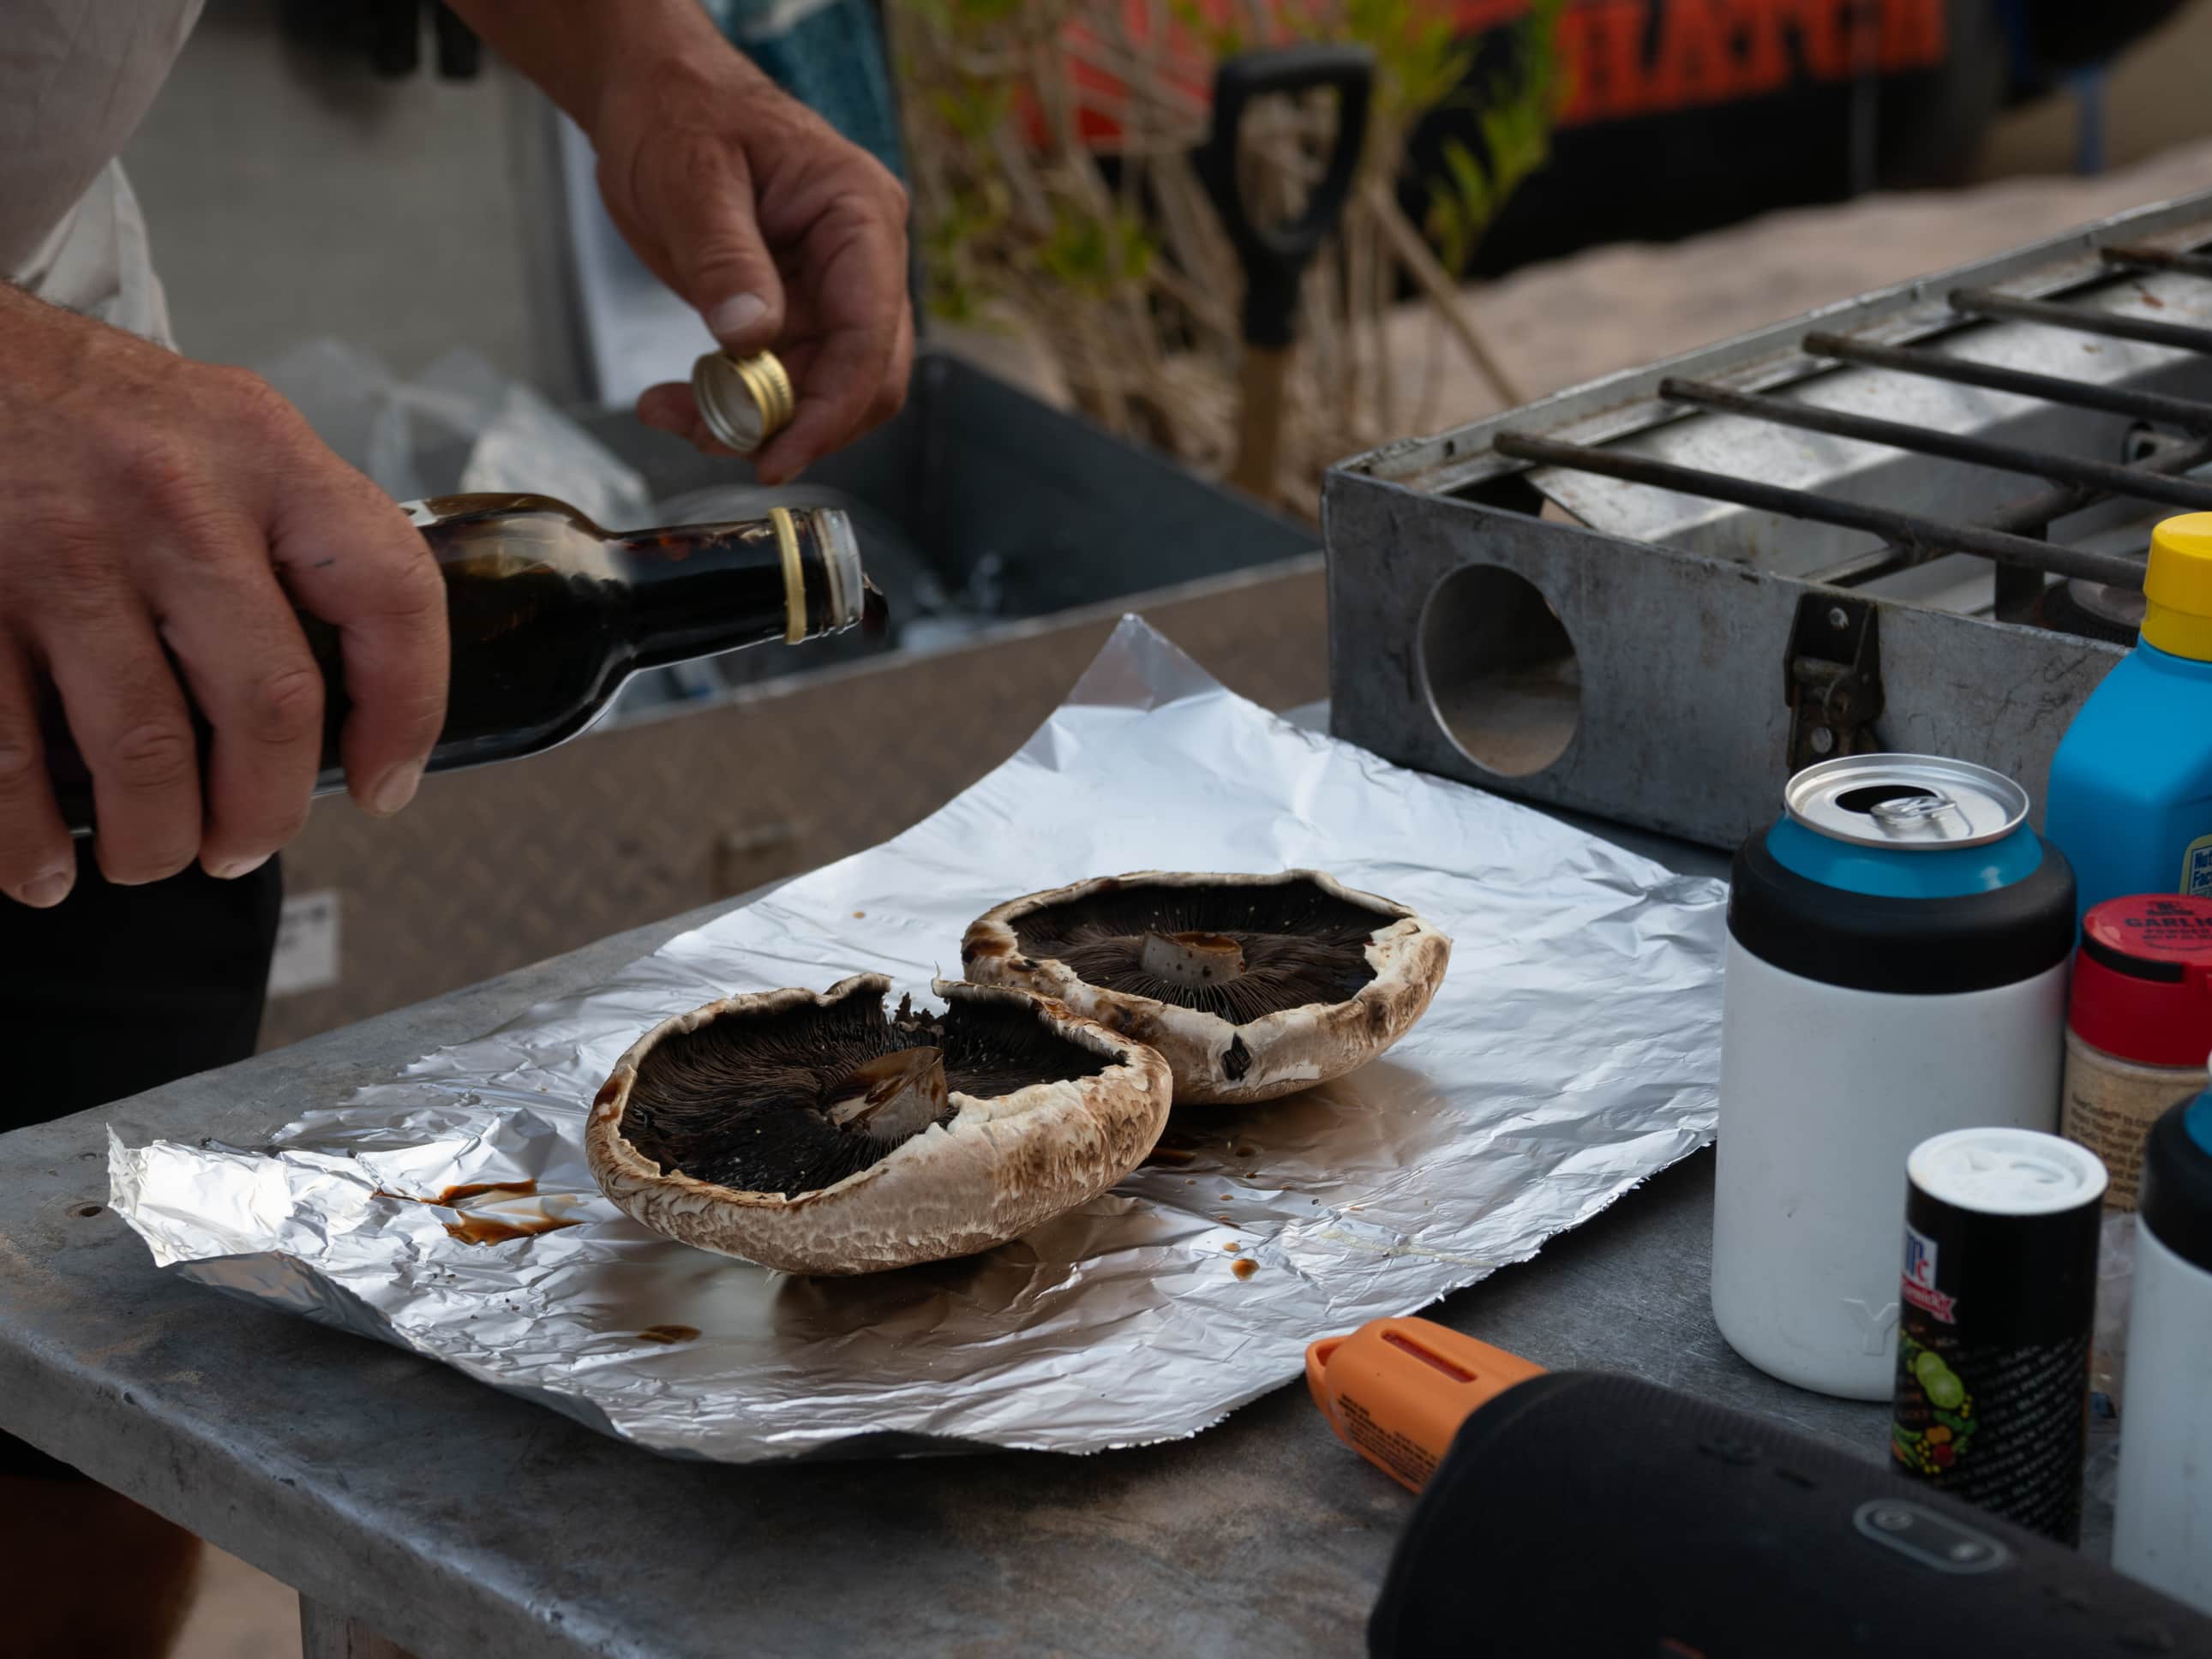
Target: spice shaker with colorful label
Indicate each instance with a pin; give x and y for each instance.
(1999, 1292)
(2138, 1026)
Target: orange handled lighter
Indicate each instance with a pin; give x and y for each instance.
(1396, 1391)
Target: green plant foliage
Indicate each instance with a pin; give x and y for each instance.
(968, 218)
(1418, 57)
(1014, 219)
(1096, 257)
(1221, 38)
(974, 109)
(966, 19)
(1514, 117)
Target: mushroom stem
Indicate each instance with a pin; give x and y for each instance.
(892, 1097)
(1192, 960)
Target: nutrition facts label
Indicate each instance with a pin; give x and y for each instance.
(2112, 1123)
(2197, 867)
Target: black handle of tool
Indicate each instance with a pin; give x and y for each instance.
(460, 54)
(1583, 1513)
(1274, 256)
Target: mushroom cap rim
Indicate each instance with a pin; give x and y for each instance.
(613, 1098)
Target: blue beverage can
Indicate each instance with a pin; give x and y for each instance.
(1905, 827)
(1897, 960)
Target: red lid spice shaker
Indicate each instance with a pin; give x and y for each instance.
(2138, 1028)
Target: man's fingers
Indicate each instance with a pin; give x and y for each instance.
(38, 865)
(248, 668)
(862, 305)
(128, 717)
(891, 396)
(721, 265)
(670, 407)
(841, 383)
(349, 556)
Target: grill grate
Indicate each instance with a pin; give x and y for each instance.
(2158, 259)
(1905, 530)
(2187, 413)
(1981, 302)
(1651, 597)
(2013, 534)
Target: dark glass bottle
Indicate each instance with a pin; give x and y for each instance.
(550, 614)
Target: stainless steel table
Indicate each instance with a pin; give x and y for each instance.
(401, 1499)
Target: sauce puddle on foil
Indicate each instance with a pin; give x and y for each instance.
(504, 1217)
(452, 1195)
(669, 1334)
(1175, 1150)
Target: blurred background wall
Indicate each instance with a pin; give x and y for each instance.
(293, 192)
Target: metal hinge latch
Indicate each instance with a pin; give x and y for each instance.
(1831, 678)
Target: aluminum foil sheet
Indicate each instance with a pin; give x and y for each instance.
(1573, 1052)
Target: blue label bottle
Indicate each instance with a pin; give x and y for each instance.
(2131, 796)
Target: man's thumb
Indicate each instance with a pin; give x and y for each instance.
(726, 274)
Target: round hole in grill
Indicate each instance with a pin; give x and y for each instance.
(1501, 670)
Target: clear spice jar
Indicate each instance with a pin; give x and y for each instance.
(2138, 1026)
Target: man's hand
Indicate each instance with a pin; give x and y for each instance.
(159, 520)
(780, 233)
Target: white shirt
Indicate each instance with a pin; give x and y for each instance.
(76, 78)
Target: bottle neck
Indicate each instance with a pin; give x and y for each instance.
(697, 590)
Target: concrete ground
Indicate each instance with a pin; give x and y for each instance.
(288, 201)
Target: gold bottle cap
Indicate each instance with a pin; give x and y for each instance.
(746, 400)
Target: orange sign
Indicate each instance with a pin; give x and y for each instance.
(1716, 52)
(1618, 58)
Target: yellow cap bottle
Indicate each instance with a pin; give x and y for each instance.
(2177, 587)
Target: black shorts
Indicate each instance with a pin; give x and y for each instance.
(121, 989)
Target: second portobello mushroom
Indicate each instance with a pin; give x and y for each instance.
(817, 1134)
(1248, 986)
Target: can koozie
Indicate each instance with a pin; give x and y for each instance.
(1996, 1309)
(1897, 954)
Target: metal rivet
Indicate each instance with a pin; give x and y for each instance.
(1891, 1520)
(1823, 741)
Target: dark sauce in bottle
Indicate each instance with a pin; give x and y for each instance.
(549, 614)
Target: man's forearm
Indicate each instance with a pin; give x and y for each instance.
(576, 49)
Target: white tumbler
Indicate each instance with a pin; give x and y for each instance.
(1897, 962)
(2163, 1532)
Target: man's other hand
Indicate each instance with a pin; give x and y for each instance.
(159, 521)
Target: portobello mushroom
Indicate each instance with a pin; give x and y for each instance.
(1249, 985)
(815, 1134)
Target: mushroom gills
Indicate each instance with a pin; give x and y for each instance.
(1241, 952)
(800, 1102)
